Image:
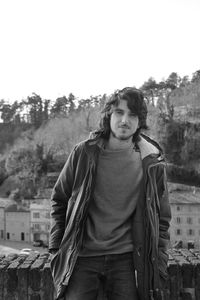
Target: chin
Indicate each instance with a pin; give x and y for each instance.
(124, 137)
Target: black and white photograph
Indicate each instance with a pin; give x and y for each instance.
(99, 150)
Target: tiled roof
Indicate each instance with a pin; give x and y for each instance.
(186, 197)
(5, 202)
(16, 208)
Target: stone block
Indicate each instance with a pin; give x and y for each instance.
(23, 279)
(187, 291)
(3, 268)
(47, 283)
(35, 275)
(197, 279)
(11, 282)
(173, 283)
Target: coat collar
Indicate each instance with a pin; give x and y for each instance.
(147, 146)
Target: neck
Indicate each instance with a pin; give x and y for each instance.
(116, 144)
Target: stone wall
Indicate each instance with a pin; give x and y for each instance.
(25, 278)
(29, 278)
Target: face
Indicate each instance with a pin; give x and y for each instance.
(123, 122)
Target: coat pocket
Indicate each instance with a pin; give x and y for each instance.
(138, 258)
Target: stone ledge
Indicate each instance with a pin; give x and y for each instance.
(29, 278)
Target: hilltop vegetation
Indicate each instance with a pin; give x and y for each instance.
(37, 134)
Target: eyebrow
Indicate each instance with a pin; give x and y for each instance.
(117, 108)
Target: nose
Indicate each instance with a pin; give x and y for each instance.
(124, 119)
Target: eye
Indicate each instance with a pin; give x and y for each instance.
(118, 112)
(133, 115)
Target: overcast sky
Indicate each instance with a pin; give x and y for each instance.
(91, 47)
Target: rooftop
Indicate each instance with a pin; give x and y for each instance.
(16, 208)
(40, 204)
(5, 202)
(184, 197)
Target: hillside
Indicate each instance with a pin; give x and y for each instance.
(39, 141)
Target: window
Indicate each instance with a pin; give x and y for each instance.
(178, 232)
(47, 227)
(178, 208)
(22, 236)
(189, 220)
(190, 232)
(47, 215)
(36, 215)
(178, 220)
(8, 235)
(36, 226)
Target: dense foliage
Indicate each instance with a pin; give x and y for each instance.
(38, 134)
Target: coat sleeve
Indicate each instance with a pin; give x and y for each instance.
(164, 221)
(59, 200)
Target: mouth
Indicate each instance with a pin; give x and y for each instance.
(124, 127)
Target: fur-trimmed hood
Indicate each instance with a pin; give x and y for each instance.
(145, 144)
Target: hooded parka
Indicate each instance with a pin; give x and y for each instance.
(73, 192)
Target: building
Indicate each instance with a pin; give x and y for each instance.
(4, 203)
(185, 223)
(2, 223)
(40, 220)
(17, 223)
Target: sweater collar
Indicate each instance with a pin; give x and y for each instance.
(146, 146)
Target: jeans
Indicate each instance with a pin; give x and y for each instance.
(103, 277)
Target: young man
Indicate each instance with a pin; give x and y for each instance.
(110, 210)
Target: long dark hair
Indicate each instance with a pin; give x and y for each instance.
(135, 102)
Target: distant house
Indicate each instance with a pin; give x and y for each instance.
(17, 223)
(40, 220)
(185, 223)
(2, 223)
(4, 203)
